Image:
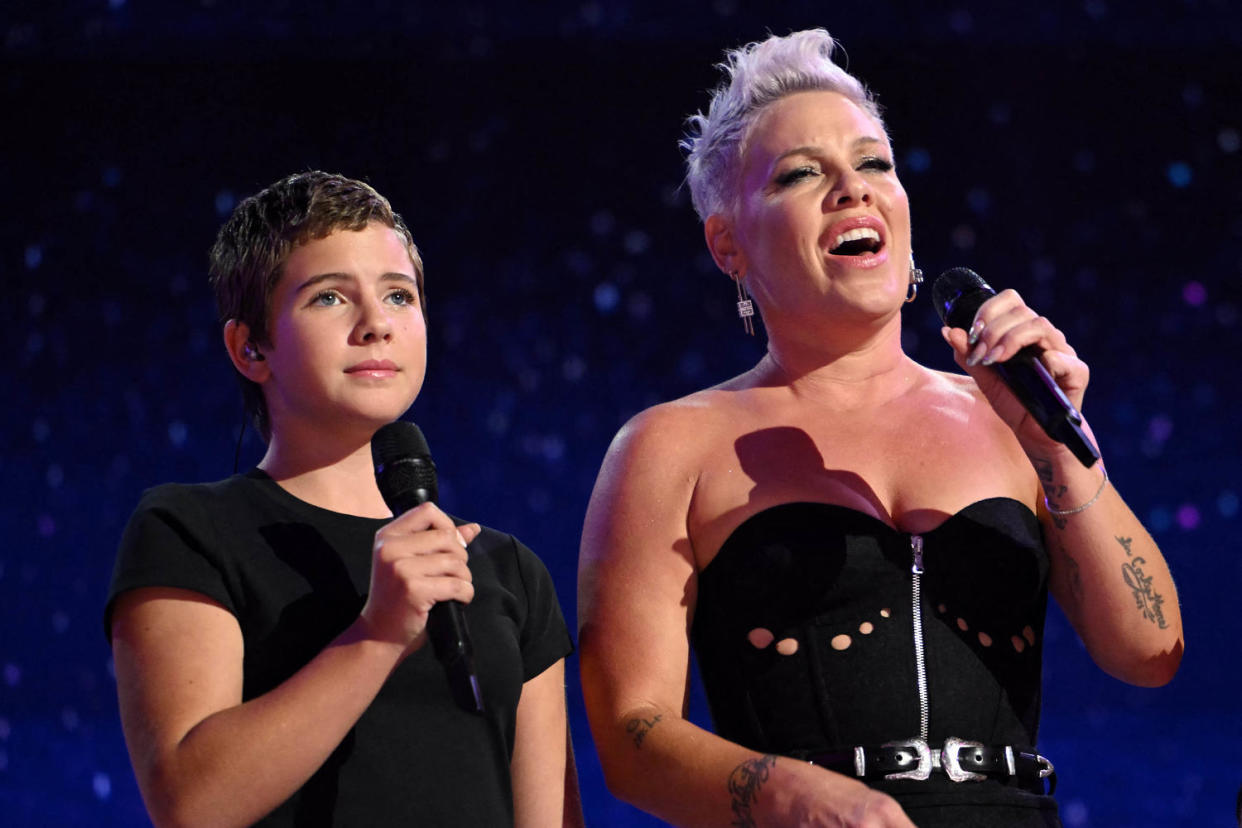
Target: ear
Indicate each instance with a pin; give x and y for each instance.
(722, 242)
(236, 340)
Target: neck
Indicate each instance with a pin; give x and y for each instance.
(841, 365)
(332, 474)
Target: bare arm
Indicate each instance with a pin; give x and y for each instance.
(637, 591)
(1107, 572)
(1109, 576)
(538, 767)
(201, 755)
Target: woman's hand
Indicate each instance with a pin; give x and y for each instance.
(1003, 326)
(823, 798)
(417, 561)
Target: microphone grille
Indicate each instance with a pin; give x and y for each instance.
(403, 467)
(950, 287)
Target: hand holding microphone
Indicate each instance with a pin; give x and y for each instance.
(1009, 343)
(420, 580)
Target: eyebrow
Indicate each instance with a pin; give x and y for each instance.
(349, 277)
(866, 140)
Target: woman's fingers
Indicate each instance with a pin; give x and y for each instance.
(1005, 325)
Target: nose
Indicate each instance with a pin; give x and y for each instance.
(373, 322)
(851, 188)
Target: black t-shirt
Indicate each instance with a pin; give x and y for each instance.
(295, 576)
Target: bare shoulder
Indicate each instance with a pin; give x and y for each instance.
(652, 470)
(678, 430)
(952, 384)
(959, 398)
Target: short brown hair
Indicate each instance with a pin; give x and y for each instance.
(253, 245)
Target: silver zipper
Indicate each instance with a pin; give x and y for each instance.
(916, 546)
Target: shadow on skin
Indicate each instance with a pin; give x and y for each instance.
(786, 467)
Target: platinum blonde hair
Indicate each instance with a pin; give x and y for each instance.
(757, 74)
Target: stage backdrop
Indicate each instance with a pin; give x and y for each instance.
(1087, 154)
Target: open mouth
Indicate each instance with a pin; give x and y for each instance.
(857, 242)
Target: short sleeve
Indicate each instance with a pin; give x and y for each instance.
(544, 637)
(168, 542)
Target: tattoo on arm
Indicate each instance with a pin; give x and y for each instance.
(1075, 577)
(1146, 599)
(1053, 491)
(638, 728)
(744, 784)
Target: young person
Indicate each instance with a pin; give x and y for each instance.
(269, 630)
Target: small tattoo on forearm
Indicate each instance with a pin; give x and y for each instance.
(638, 728)
(1053, 491)
(1125, 544)
(744, 784)
(1044, 469)
(1146, 599)
(1075, 573)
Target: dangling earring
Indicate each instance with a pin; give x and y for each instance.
(745, 307)
(916, 279)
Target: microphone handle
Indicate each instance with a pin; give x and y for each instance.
(1039, 393)
(450, 641)
(446, 624)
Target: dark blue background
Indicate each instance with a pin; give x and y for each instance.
(1087, 154)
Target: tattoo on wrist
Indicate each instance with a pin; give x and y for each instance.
(638, 728)
(1146, 599)
(1053, 491)
(744, 784)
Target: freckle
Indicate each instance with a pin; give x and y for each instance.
(760, 637)
(866, 627)
(787, 646)
(942, 608)
(962, 625)
(840, 642)
(985, 639)
(1029, 635)
(886, 612)
(1018, 643)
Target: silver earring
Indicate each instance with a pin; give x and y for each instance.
(250, 352)
(745, 307)
(916, 279)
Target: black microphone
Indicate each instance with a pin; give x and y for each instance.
(407, 477)
(958, 293)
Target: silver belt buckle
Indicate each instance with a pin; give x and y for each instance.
(951, 762)
(920, 749)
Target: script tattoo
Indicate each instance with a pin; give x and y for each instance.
(1145, 598)
(1125, 544)
(744, 784)
(638, 728)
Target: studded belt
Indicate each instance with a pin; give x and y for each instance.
(958, 759)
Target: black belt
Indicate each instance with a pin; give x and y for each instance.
(960, 760)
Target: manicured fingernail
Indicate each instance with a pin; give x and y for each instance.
(975, 330)
(993, 355)
(461, 539)
(977, 354)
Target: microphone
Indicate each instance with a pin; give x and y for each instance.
(407, 477)
(957, 294)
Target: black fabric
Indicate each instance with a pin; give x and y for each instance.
(813, 572)
(295, 576)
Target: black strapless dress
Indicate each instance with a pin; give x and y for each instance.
(804, 634)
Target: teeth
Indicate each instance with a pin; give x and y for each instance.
(854, 235)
